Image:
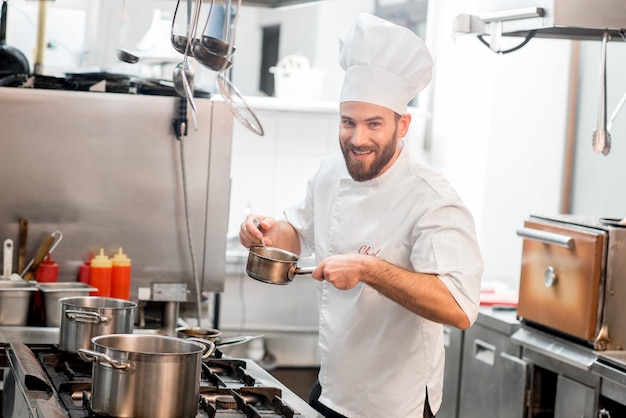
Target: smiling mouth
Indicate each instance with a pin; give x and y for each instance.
(361, 153)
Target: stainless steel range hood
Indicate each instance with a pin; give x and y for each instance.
(565, 19)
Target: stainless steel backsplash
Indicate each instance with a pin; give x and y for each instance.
(105, 170)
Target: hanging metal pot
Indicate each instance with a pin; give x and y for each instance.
(12, 60)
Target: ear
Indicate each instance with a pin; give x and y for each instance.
(403, 125)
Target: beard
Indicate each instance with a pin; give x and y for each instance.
(362, 170)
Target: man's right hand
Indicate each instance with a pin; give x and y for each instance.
(251, 235)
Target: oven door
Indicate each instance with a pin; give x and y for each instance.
(561, 277)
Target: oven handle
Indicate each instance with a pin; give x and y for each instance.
(91, 356)
(547, 237)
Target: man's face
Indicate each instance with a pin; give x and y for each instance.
(368, 136)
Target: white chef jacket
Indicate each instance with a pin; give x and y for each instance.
(378, 358)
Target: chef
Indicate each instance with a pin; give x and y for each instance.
(395, 246)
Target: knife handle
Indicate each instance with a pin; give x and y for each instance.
(44, 248)
(23, 236)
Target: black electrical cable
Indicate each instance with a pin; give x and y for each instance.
(180, 124)
(530, 35)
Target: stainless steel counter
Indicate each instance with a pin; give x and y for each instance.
(29, 335)
(503, 320)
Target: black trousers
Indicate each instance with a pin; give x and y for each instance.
(316, 391)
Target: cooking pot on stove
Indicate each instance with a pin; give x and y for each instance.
(85, 317)
(146, 375)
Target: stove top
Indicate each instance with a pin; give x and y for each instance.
(102, 80)
(58, 384)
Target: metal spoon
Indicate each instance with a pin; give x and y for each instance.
(183, 72)
(601, 139)
(257, 223)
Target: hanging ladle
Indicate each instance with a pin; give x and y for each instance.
(211, 59)
(122, 54)
(601, 139)
(215, 45)
(232, 97)
(183, 74)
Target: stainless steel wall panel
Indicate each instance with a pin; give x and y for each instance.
(104, 169)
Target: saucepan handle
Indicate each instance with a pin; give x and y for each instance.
(91, 356)
(208, 344)
(304, 270)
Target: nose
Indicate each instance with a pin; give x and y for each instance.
(359, 136)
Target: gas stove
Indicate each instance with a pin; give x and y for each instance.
(44, 382)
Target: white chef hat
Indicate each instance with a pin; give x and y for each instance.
(385, 64)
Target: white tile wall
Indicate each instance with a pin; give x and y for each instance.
(270, 173)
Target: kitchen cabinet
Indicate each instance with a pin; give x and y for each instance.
(560, 383)
(453, 342)
(612, 394)
(612, 399)
(493, 376)
(573, 399)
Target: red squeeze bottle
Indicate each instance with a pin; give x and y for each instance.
(100, 274)
(83, 270)
(120, 276)
(48, 270)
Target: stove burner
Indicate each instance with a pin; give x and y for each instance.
(227, 388)
(225, 402)
(224, 395)
(251, 401)
(225, 373)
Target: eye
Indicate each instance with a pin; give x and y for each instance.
(347, 123)
(374, 124)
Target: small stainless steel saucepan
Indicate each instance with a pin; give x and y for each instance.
(277, 267)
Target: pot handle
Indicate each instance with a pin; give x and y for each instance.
(304, 270)
(87, 317)
(208, 344)
(93, 356)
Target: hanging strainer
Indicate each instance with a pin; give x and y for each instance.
(238, 106)
(232, 97)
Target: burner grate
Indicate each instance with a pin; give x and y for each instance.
(227, 387)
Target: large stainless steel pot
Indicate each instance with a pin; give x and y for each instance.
(274, 265)
(53, 292)
(146, 375)
(85, 317)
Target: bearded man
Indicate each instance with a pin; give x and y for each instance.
(395, 247)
